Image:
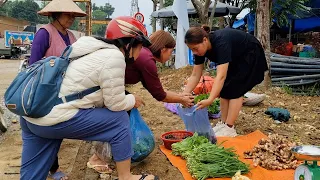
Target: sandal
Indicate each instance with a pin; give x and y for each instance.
(108, 170)
(57, 175)
(145, 175)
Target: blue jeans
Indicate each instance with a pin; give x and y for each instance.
(41, 143)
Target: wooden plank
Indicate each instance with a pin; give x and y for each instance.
(83, 21)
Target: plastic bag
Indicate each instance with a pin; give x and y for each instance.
(197, 121)
(143, 142)
(103, 151)
(142, 139)
(204, 86)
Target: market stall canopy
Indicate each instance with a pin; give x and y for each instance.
(222, 9)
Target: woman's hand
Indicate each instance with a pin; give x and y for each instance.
(139, 101)
(204, 103)
(187, 99)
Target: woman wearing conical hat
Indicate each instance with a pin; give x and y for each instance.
(51, 40)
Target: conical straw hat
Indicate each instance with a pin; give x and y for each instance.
(67, 6)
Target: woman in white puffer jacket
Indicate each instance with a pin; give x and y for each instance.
(99, 116)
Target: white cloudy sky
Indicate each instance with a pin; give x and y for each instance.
(123, 7)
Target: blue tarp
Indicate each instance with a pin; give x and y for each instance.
(248, 19)
(300, 25)
(307, 24)
(251, 20)
(310, 21)
(314, 4)
(238, 23)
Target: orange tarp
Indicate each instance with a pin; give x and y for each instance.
(241, 144)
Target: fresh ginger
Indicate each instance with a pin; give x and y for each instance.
(273, 153)
(238, 176)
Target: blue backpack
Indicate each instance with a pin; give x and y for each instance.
(35, 90)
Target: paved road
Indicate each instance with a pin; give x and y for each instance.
(8, 71)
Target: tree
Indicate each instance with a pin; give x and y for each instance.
(25, 10)
(4, 10)
(153, 20)
(94, 7)
(108, 9)
(202, 8)
(99, 30)
(99, 15)
(281, 12)
(168, 22)
(263, 32)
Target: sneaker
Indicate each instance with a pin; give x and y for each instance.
(226, 131)
(218, 126)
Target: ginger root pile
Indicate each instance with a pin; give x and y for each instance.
(273, 153)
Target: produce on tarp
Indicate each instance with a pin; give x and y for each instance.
(273, 153)
(185, 147)
(205, 160)
(172, 137)
(238, 176)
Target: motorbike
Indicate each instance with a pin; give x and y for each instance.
(24, 62)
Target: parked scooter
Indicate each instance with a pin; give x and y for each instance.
(24, 63)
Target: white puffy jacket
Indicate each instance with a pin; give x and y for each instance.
(104, 66)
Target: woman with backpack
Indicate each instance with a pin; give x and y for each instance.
(99, 116)
(241, 65)
(51, 40)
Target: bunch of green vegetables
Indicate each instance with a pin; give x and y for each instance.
(185, 148)
(205, 160)
(214, 108)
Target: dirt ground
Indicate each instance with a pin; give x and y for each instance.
(303, 127)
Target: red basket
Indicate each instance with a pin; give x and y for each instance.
(178, 135)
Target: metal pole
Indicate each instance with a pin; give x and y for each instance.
(161, 20)
(290, 30)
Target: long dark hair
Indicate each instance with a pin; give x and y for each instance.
(122, 43)
(195, 35)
